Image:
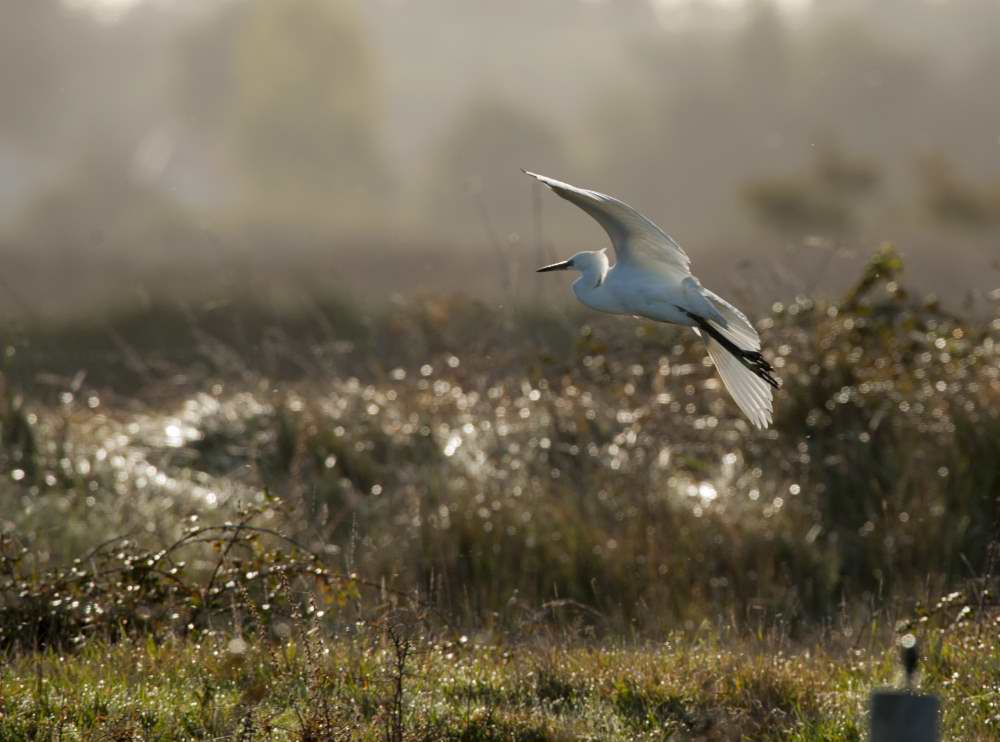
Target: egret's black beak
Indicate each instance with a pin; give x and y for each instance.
(563, 266)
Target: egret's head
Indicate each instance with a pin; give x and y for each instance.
(588, 262)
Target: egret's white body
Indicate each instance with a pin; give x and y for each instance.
(652, 278)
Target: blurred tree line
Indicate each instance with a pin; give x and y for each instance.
(292, 91)
(169, 136)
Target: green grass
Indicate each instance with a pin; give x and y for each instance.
(314, 687)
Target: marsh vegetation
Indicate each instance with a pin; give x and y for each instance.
(315, 504)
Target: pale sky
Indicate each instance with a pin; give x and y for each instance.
(111, 9)
(107, 9)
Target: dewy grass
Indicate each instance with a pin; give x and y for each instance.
(310, 686)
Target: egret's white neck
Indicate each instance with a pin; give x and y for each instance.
(593, 267)
(591, 287)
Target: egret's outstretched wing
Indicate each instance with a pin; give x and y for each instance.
(636, 239)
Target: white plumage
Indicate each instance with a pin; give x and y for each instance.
(652, 278)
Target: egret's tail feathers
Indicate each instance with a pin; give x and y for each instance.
(746, 373)
(749, 381)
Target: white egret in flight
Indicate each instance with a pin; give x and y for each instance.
(652, 278)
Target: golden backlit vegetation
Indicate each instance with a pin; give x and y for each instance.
(285, 535)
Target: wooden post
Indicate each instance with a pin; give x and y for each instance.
(901, 716)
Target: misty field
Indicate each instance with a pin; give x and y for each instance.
(444, 521)
(296, 446)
